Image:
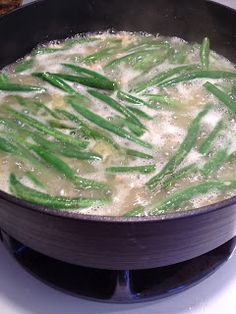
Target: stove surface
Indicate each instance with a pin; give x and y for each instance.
(21, 293)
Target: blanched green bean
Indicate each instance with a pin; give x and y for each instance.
(198, 75)
(88, 81)
(179, 198)
(105, 124)
(117, 106)
(136, 211)
(86, 130)
(229, 102)
(64, 169)
(48, 130)
(129, 57)
(82, 70)
(122, 122)
(206, 144)
(162, 76)
(182, 151)
(101, 54)
(51, 201)
(140, 113)
(128, 169)
(18, 150)
(13, 87)
(135, 153)
(132, 99)
(178, 175)
(55, 81)
(215, 162)
(163, 100)
(33, 178)
(65, 150)
(204, 53)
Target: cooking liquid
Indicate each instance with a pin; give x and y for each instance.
(165, 131)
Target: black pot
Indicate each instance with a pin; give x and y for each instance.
(115, 242)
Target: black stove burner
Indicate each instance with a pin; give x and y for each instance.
(126, 286)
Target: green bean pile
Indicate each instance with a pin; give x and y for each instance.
(119, 125)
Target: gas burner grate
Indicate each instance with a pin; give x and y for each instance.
(119, 286)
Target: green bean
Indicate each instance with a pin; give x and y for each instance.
(10, 146)
(179, 198)
(95, 75)
(122, 122)
(34, 179)
(204, 53)
(146, 43)
(135, 153)
(55, 81)
(178, 175)
(198, 75)
(128, 169)
(163, 100)
(129, 57)
(117, 106)
(31, 103)
(206, 144)
(65, 150)
(215, 162)
(88, 81)
(140, 113)
(132, 99)
(24, 65)
(101, 54)
(51, 201)
(185, 147)
(86, 130)
(22, 101)
(222, 96)
(53, 161)
(3, 78)
(70, 116)
(41, 105)
(150, 60)
(11, 125)
(13, 87)
(48, 130)
(103, 123)
(64, 169)
(162, 76)
(136, 211)
(59, 125)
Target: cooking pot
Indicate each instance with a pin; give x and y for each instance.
(116, 242)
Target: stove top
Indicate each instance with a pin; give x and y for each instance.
(119, 286)
(21, 293)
